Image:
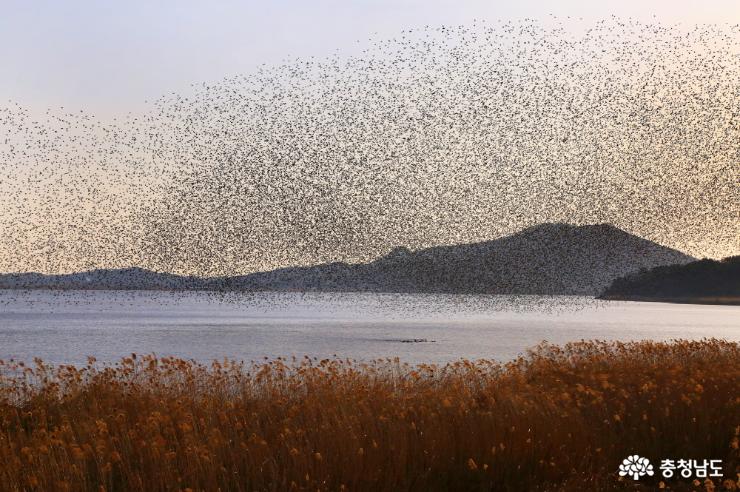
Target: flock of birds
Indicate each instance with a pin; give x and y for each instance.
(439, 136)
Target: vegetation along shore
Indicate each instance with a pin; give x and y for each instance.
(559, 418)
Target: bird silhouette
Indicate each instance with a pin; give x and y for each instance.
(441, 135)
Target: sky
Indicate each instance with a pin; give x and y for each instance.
(108, 57)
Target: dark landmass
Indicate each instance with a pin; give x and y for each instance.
(548, 259)
(699, 282)
(545, 259)
(104, 279)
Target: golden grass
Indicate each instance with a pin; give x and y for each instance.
(558, 419)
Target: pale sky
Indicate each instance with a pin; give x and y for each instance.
(109, 57)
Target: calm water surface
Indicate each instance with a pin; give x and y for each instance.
(67, 327)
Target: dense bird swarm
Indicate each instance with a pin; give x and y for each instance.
(442, 135)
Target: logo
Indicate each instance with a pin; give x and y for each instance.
(636, 467)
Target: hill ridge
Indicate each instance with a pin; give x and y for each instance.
(548, 258)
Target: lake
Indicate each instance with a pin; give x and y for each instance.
(66, 327)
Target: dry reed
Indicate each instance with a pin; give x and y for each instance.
(560, 418)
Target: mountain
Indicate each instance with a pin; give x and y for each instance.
(113, 279)
(544, 259)
(703, 281)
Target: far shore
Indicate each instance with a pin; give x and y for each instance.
(719, 301)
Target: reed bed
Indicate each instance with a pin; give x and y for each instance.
(559, 418)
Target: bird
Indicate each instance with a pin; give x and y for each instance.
(440, 135)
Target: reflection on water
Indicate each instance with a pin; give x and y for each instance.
(66, 327)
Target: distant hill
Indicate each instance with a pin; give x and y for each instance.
(112, 279)
(544, 259)
(703, 281)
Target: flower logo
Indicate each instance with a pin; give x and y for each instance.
(636, 467)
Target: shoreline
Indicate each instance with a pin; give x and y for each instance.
(709, 300)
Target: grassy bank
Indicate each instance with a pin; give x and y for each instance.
(559, 419)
